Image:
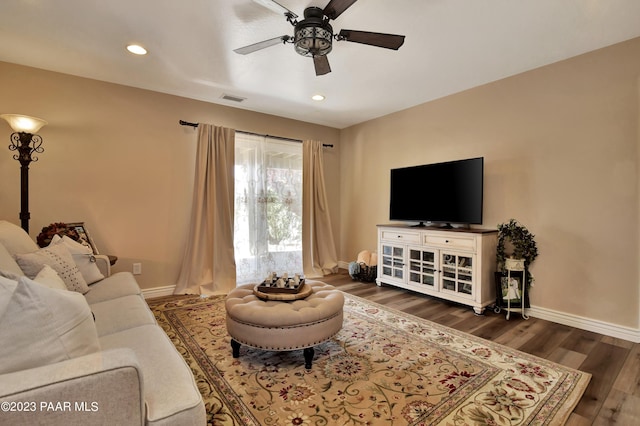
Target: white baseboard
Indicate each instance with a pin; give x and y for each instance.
(608, 329)
(150, 293)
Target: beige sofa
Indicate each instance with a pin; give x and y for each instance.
(110, 364)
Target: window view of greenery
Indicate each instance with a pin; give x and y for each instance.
(284, 224)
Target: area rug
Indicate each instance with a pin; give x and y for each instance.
(383, 368)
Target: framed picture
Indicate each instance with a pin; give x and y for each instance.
(509, 290)
(83, 234)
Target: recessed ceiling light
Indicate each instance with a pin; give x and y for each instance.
(136, 49)
(317, 98)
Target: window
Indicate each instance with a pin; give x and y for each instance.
(268, 207)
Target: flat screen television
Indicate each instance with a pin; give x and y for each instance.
(441, 194)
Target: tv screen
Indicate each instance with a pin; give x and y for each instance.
(444, 193)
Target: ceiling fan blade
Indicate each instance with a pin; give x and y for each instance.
(261, 45)
(336, 7)
(276, 7)
(388, 41)
(322, 65)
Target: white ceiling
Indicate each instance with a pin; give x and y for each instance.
(450, 46)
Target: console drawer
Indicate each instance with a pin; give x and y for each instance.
(405, 237)
(458, 242)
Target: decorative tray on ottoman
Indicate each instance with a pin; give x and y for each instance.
(282, 288)
(287, 289)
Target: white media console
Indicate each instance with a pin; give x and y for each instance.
(453, 264)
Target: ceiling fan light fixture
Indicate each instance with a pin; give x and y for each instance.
(313, 36)
(313, 41)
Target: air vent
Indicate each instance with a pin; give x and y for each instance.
(233, 98)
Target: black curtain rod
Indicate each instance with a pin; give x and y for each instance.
(186, 123)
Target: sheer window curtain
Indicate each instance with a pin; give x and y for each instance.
(268, 207)
(319, 249)
(209, 266)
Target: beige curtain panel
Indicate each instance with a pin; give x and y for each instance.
(319, 256)
(209, 265)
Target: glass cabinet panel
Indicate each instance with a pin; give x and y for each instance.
(393, 261)
(457, 273)
(422, 267)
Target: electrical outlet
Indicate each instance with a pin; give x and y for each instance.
(137, 268)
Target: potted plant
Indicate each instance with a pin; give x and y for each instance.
(515, 242)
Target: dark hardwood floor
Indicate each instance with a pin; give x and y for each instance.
(613, 395)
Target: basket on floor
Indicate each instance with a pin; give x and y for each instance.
(363, 272)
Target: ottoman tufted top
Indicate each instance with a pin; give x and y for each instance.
(243, 306)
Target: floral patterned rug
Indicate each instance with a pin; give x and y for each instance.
(383, 368)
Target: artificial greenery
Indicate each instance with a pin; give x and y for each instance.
(523, 242)
(57, 228)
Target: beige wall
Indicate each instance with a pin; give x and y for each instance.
(561, 156)
(116, 158)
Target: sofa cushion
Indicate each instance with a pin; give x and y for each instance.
(15, 239)
(114, 286)
(58, 257)
(8, 265)
(49, 278)
(10, 275)
(170, 391)
(83, 258)
(121, 314)
(40, 325)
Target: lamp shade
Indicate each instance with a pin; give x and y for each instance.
(23, 123)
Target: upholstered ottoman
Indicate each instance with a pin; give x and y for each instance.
(276, 325)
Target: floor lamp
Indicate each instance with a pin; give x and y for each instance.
(26, 142)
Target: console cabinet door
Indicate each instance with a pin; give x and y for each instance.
(393, 265)
(457, 273)
(423, 267)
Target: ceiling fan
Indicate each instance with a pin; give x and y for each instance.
(313, 36)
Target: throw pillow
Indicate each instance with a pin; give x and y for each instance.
(8, 263)
(15, 239)
(83, 258)
(10, 275)
(4, 302)
(40, 325)
(49, 278)
(58, 257)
